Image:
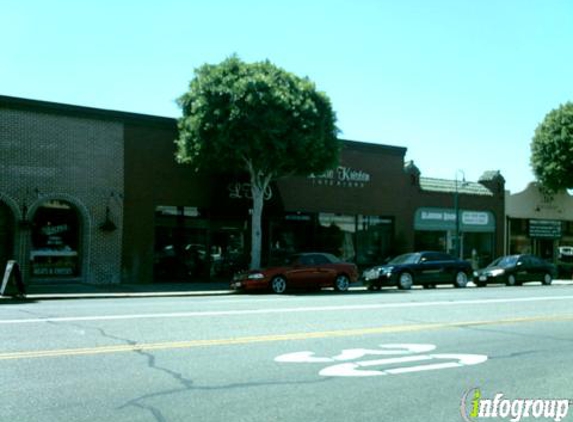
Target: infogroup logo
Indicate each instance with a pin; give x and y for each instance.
(474, 407)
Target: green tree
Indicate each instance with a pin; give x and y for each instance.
(552, 149)
(260, 119)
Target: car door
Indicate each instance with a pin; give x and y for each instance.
(303, 272)
(522, 269)
(428, 269)
(537, 269)
(326, 272)
(448, 267)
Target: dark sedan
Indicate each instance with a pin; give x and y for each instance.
(514, 270)
(300, 271)
(425, 268)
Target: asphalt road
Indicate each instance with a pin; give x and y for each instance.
(360, 356)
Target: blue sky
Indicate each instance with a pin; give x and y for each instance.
(461, 83)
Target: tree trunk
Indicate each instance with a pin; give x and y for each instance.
(256, 222)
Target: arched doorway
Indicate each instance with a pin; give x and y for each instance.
(56, 241)
(6, 235)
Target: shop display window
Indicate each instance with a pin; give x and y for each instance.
(55, 240)
(189, 245)
(478, 247)
(294, 233)
(427, 240)
(373, 240)
(337, 235)
(365, 240)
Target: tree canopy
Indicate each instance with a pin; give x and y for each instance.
(552, 149)
(240, 115)
(260, 119)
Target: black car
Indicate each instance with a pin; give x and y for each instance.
(514, 270)
(424, 268)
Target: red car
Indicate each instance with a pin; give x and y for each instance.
(301, 271)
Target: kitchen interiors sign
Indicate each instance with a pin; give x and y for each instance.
(445, 219)
(342, 176)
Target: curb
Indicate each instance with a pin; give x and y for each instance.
(174, 293)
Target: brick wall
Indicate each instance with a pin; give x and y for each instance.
(54, 156)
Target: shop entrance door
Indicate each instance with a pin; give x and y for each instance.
(544, 248)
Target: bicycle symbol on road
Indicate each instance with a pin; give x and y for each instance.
(411, 358)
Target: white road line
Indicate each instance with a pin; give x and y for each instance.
(338, 308)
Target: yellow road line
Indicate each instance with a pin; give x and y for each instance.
(271, 338)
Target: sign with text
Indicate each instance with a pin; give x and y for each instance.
(342, 176)
(445, 219)
(545, 229)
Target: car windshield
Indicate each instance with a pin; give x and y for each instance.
(409, 258)
(505, 261)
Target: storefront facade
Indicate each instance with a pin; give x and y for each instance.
(61, 179)
(202, 223)
(538, 222)
(463, 218)
(95, 196)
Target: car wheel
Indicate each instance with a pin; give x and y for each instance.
(511, 281)
(405, 281)
(341, 283)
(547, 279)
(278, 284)
(461, 279)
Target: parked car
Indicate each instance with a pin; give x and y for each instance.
(424, 268)
(300, 271)
(565, 261)
(514, 270)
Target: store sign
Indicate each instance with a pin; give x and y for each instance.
(545, 229)
(341, 176)
(59, 268)
(238, 190)
(475, 218)
(445, 219)
(438, 215)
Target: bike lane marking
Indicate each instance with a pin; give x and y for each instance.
(355, 369)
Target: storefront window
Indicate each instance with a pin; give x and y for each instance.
(55, 240)
(294, 233)
(365, 240)
(373, 239)
(189, 245)
(336, 235)
(478, 247)
(432, 241)
(519, 241)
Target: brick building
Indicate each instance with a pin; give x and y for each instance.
(95, 196)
